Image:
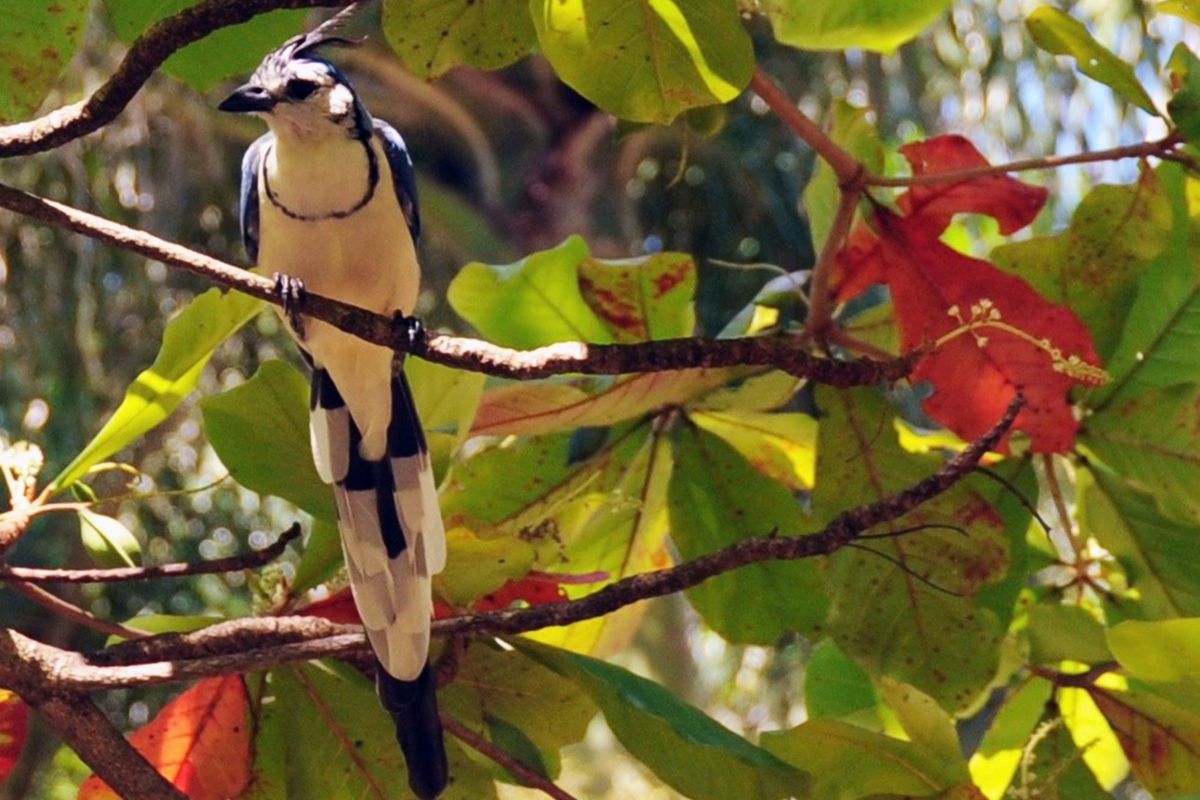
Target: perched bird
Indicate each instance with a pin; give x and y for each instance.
(329, 203)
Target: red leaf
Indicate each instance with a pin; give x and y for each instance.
(1011, 203)
(338, 607)
(14, 725)
(200, 741)
(536, 588)
(991, 334)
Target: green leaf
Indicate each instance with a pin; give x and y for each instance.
(539, 408)
(688, 750)
(1160, 343)
(324, 736)
(718, 499)
(222, 54)
(108, 541)
(188, 343)
(765, 391)
(446, 400)
(165, 623)
(322, 556)
(1152, 441)
(476, 566)
(260, 431)
(994, 763)
(1093, 267)
(1161, 739)
(924, 721)
(837, 688)
(881, 25)
(603, 515)
(919, 624)
(38, 38)
(616, 525)
(1065, 633)
(432, 36)
(641, 299)
(1061, 34)
(853, 129)
(1185, 9)
(1184, 105)
(509, 687)
(1158, 554)
(533, 302)
(847, 762)
(646, 60)
(781, 446)
(1166, 652)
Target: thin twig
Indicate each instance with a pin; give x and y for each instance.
(820, 310)
(57, 605)
(1078, 548)
(144, 56)
(472, 354)
(251, 560)
(907, 570)
(1021, 498)
(518, 770)
(262, 643)
(1159, 147)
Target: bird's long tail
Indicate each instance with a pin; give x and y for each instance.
(394, 542)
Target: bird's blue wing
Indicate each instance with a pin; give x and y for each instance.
(251, 162)
(404, 177)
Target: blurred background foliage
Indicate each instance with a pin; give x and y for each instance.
(509, 162)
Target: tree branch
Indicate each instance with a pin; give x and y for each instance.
(56, 605)
(471, 354)
(86, 730)
(255, 644)
(491, 751)
(849, 171)
(145, 55)
(1160, 147)
(251, 560)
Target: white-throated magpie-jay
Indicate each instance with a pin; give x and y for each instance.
(329, 203)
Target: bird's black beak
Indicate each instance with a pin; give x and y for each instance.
(246, 99)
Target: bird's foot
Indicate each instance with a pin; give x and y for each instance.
(413, 330)
(291, 291)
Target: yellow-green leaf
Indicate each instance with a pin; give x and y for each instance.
(188, 343)
(646, 60)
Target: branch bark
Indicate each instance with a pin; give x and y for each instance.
(256, 558)
(255, 644)
(471, 354)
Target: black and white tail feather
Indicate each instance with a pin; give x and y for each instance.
(393, 541)
(390, 524)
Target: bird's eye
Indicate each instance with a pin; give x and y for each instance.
(298, 88)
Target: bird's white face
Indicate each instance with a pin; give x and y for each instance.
(301, 99)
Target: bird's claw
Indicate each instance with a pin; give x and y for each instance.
(291, 291)
(414, 329)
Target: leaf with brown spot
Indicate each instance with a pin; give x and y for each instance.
(37, 40)
(1160, 738)
(645, 298)
(909, 610)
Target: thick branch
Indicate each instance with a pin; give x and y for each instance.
(472, 354)
(145, 55)
(251, 560)
(86, 730)
(263, 643)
